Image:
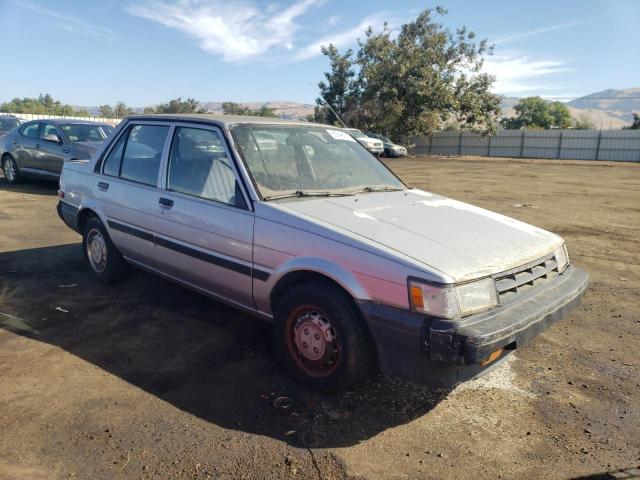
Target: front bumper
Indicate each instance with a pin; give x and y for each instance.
(416, 346)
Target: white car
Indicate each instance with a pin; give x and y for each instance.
(374, 145)
(357, 271)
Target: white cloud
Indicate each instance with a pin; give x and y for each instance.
(333, 20)
(236, 31)
(538, 31)
(341, 39)
(68, 22)
(517, 74)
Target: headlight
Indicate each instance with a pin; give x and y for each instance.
(452, 301)
(562, 258)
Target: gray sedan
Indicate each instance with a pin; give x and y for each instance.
(39, 148)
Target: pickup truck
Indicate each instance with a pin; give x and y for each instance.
(357, 271)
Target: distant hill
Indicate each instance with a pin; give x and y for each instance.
(617, 103)
(287, 109)
(608, 109)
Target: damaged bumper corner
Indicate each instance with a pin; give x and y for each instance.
(416, 346)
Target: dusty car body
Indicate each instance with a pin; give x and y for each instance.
(361, 274)
(39, 148)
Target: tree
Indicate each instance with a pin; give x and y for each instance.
(636, 123)
(560, 114)
(106, 111)
(121, 110)
(584, 122)
(177, 105)
(536, 113)
(412, 83)
(231, 108)
(337, 91)
(44, 104)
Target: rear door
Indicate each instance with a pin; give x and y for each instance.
(204, 227)
(127, 189)
(24, 144)
(49, 157)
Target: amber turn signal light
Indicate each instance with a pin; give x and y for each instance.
(492, 357)
(416, 297)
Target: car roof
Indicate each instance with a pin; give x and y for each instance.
(225, 121)
(66, 121)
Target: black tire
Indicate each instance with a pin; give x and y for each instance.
(349, 356)
(107, 266)
(10, 170)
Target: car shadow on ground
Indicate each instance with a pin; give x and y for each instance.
(33, 187)
(197, 354)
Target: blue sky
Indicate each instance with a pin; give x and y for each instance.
(144, 52)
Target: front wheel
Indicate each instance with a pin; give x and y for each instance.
(104, 260)
(10, 169)
(320, 338)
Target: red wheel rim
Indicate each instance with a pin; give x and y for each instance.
(312, 341)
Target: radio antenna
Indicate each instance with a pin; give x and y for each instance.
(329, 107)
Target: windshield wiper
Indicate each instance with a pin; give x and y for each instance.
(306, 193)
(378, 189)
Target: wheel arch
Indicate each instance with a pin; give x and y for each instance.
(4, 158)
(83, 216)
(302, 270)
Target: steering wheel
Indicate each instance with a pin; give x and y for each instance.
(335, 174)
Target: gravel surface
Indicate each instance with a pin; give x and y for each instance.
(146, 379)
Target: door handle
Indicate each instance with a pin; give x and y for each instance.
(66, 150)
(14, 142)
(104, 186)
(37, 145)
(165, 202)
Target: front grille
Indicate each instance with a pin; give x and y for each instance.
(520, 279)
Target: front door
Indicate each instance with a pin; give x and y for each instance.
(25, 145)
(204, 228)
(50, 154)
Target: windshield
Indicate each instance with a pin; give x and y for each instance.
(300, 160)
(8, 123)
(82, 132)
(356, 133)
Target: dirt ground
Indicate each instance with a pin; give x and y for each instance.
(146, 379)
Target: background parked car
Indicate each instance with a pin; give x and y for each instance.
(374, 145)
(391, 150)
(38, 149)
(8, 123)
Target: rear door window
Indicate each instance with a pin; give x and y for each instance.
(136, 155)
(30, 130)
(112, 163)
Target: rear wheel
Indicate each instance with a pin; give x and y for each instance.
(104, 260)
(10, 169)
(320, 338)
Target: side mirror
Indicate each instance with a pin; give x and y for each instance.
(51, 137)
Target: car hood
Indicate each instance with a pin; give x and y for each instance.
(460, 240)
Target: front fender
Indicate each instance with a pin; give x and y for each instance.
(321, 266)
(335, 272)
